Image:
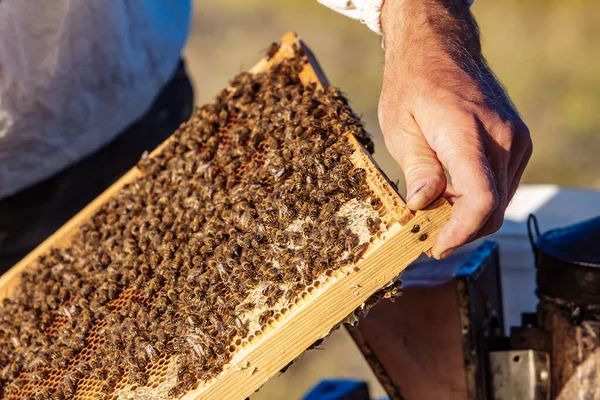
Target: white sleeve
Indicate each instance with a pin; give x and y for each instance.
(366, 11)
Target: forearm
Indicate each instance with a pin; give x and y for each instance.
(430, 31)
(414, 19)
(442, 38)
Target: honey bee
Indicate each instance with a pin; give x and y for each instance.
(68, 353)
(42, 394)
(139, 378)
(273, 49)
(57, 394)
(270, 301)
(376, 204)
(58, 362)
(115, 373)
(264, 317)
(174, 391)
(327, 213)
(242, 332)
(152, 287)
(188, 381)
(338, 246)
(358, 250)
(358, 176)
(106, 387)
(172, 295)
(373, 225)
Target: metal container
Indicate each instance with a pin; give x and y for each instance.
(568, 286)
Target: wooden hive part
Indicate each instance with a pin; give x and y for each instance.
(248, 235)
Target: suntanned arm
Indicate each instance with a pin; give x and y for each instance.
(441, 106)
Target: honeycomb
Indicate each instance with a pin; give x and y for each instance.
(248, 208)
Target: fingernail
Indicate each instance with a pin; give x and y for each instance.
(416, 195)
(447, 253)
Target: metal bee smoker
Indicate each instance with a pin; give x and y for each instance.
(568, 286)
(555, 353)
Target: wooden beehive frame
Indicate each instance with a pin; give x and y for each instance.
(326, 306)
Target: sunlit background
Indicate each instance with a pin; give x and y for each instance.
(546, 52)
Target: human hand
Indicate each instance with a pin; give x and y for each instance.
(441, 106)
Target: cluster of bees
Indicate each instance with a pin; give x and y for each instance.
(228, 226)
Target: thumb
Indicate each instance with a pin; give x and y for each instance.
(425, 179)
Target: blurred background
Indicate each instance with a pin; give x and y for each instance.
(546, 52)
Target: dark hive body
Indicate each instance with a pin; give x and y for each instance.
(242, 213)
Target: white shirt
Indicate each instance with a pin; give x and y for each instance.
(75, 73)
